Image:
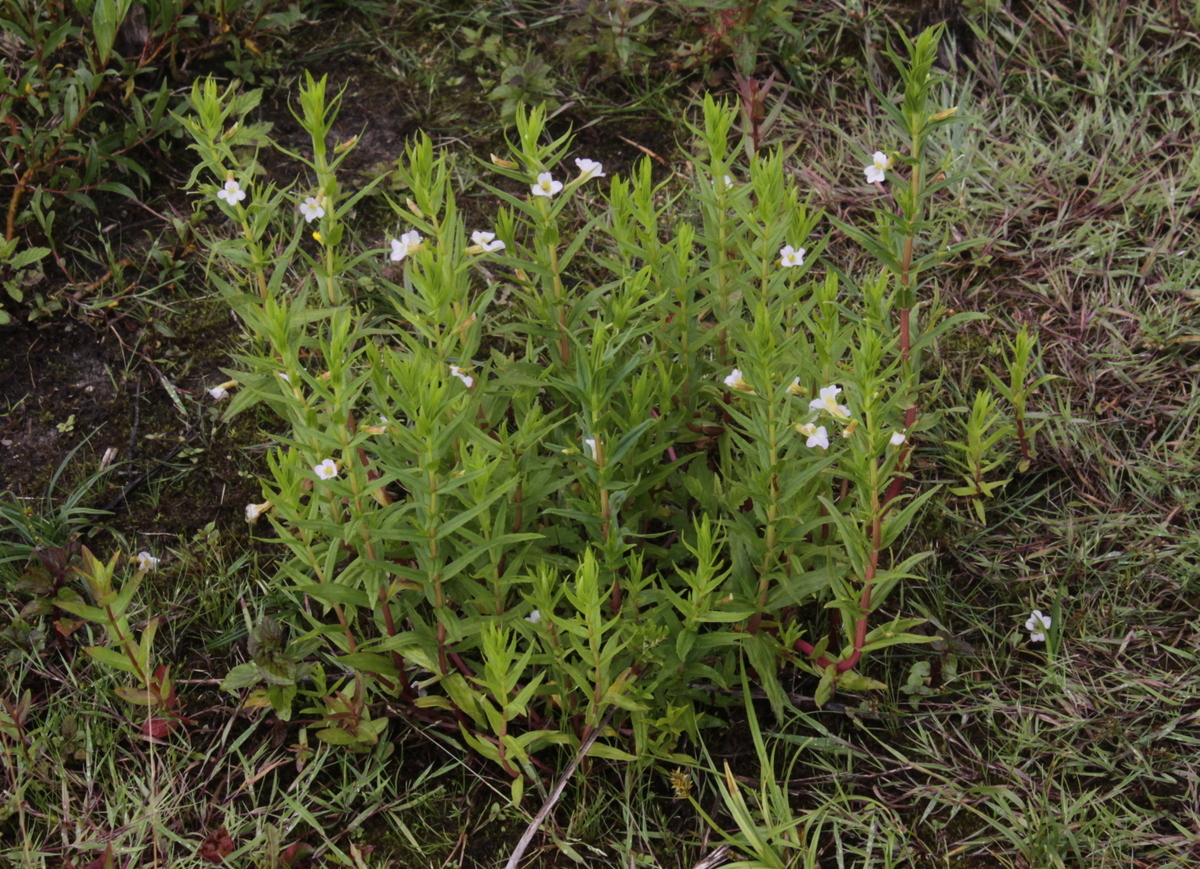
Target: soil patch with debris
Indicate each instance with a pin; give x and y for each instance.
(79, 400)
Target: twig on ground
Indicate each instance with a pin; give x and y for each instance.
(551, 800)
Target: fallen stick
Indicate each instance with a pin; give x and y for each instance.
(547, 806)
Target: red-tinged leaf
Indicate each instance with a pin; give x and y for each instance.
(66, 627)
(216, 846)
(138, 696)
(292, 855)
(104, 861)
(159, 728)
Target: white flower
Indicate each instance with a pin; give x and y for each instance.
(1037, 625)
(898, 438)
(410, 242)
(326, 470)
(828, 401)
(795, 388)
(311, 209)
(790, 256)
(588, 169)
(590, 443)
(487, 241)
(221, 390)
(546, 185)
(817, 436)
(253, 511)
(231, 192)
(146, 561)
(283, 374)
(534, 617)
(727, 182)
(877, 171)
(465, 378)
(735, 381)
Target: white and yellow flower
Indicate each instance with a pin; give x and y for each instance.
(828, 402)
(311, 209)
(589, 169)
(485, 242)
(146, 561)
(735, 381)
(1037, 624)
(408, 243)
(231, 192)
(253, 511)
(790, 256)
(816, 434)
(877, 172)
(222, 391)
(546, 185)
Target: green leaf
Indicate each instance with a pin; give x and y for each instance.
(761, 651)
(241, 676)
(337, 736)
(84, 611)
(608, 752)
(825, 687)
(28, 257)
(116, 660)
(334, 593)
(886, 640)
(854, 681)
(368, 663)
(116, 187)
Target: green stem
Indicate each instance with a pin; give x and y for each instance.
(126, 643)
(560, 300)
(769, 556)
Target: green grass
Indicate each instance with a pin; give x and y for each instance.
(1082, 140)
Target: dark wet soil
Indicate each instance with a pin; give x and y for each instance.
(79, 396)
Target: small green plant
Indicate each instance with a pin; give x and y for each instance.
(109, 607)
(39, 525)
(282, 666)
(986, 434)
(84, 96)
(524, 83)
(21, 272)
(757, 120)
(735, 28)
(769, 831)
(1024, 360)
(675, 444)
(516, 79)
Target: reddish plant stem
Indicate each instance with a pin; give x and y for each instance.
(1023, 441)
(441, 642)
(462, 665)
(389, 621)
(864, 608)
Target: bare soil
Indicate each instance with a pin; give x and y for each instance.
(75, 391)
